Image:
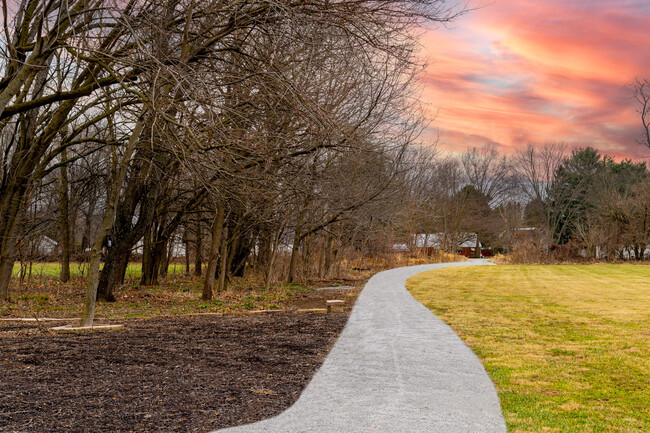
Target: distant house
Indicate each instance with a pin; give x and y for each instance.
(46, 246)
(468, 247)
(427, 242)
(465, 243)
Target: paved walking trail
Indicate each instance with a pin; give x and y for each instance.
(396, 368)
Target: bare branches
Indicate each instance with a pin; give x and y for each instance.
(489, 172)
(641, 88)
(254, 104)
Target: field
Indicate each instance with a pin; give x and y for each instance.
(567, 346)
(53, 269)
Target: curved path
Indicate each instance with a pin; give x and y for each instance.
(396, 368)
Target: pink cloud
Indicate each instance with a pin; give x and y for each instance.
(521, 71)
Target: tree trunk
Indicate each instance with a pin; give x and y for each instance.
(10, 205)
(113, 272)
(147, 259)
(6, 268)
(224, 261)
(198, 258)
(217, 231)
(271, 261)
(93, 280)
(21, 170)
(307, 254)
(329, 256)
(321, 257)
(160, 260)
(64, 220)
(293, 264)
(126, 236)
(155, 252)
(186, 241)
(163, 268)
(264, 248)
(86, 242)
(295, 248)
(107, 223)
(240, 247)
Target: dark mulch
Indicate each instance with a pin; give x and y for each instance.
(161, 375)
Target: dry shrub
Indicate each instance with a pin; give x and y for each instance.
(523, 252)
(529, 251)
(349, 264)
(565, 253)
(396, 260)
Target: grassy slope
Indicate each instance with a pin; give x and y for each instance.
(568, 346)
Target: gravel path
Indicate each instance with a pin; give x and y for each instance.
(395, 368)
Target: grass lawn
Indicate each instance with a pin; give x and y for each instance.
(567, 346)
(53, 269)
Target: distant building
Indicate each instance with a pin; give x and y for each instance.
(46, 247)
(463, 243)
(468, 247)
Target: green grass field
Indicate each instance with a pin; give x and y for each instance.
(53, 269)
(567, 346)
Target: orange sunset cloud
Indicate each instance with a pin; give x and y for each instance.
(517, 72)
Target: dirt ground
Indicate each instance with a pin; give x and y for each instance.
(170, 374)
(179, 365)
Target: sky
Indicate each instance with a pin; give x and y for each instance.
(513, 72)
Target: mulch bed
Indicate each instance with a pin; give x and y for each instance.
(183, 374)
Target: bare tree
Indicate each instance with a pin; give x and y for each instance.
(641, 89)
(64, 220)
(489, 172)
(157, 87)
(535, 170)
